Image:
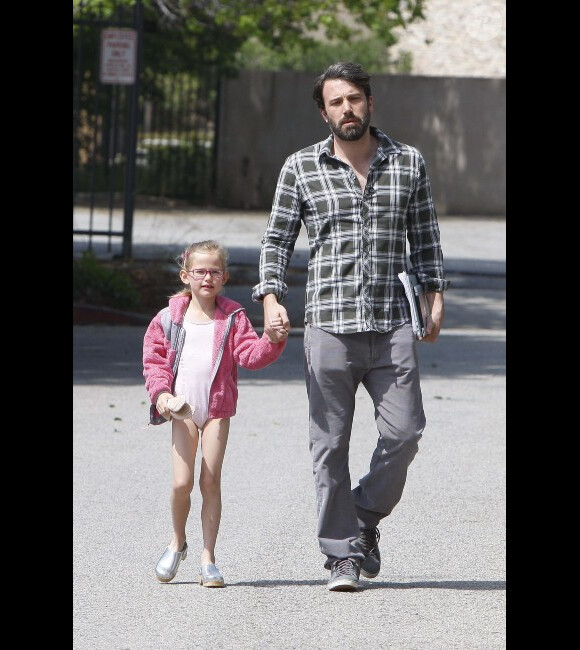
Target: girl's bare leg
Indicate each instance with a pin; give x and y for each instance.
(185, 437)
(214, 439)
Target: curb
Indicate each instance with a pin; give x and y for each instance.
(93, 315)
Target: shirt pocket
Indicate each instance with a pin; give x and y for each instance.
(395, 190)
(330, 219)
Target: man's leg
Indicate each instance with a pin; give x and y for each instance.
(333, 368)
(394, 386)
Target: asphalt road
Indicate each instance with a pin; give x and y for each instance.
(442, 583)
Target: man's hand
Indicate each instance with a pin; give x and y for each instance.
(435, 320)
(276, 322)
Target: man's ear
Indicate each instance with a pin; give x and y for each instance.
(324, 115)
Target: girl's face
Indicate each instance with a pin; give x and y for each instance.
(206, 275)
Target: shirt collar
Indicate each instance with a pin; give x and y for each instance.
(386, 145)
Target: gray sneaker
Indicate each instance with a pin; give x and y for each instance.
(344, 575)
(369, 545)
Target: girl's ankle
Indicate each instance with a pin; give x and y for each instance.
(176, 547)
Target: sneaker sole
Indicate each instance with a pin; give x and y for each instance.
(366, 574)
(343, 585)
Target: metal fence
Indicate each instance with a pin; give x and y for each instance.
(154, 137)
(176, 145)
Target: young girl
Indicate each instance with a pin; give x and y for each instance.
(192, 348)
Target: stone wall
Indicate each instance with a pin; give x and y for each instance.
(458, 38)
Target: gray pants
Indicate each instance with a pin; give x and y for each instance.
(335, 365)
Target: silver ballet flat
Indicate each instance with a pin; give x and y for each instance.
(209, 576)
(169, 562)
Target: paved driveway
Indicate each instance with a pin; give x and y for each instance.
(442, 584)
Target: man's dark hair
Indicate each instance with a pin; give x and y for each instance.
(351, 72)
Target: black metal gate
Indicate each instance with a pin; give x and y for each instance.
(105, 116)
(154, 138)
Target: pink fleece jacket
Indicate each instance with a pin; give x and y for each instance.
(242, 347)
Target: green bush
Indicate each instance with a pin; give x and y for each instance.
(96, 284)
(178, 170)
(372, 53)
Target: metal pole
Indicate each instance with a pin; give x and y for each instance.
(130, 165)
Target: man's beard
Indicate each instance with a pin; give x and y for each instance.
(352, 131)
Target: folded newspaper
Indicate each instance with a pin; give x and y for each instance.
(417, 302)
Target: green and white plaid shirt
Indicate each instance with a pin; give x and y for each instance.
(357, 240)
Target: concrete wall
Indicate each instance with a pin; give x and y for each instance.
(458, 123)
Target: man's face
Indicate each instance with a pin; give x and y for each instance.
(346, 109)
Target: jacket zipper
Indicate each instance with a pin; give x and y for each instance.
(223, 345)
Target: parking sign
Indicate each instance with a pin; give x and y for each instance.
(118, 56)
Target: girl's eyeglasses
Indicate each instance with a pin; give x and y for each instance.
(199, 274)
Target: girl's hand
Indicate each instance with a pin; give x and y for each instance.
(161, 405)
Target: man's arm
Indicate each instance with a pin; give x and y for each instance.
(277, 248)
(425, 254)
(423, 233)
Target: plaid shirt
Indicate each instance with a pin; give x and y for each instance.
(357, 240)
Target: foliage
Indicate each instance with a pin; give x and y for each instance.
(188, 45)
(371, 53)
(213, 33)
(186, 160)
(95, 283)
(178, 170)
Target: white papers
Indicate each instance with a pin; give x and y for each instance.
(417, 302)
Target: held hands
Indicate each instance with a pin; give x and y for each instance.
(276, 322)
(275, 330)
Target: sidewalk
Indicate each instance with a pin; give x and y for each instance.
(473, 246)
(474, 250)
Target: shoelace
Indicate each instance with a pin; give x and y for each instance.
(344, 567)
(369, 538)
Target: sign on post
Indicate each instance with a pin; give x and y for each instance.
(118, 56)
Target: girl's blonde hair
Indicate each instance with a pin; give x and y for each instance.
(185, 259)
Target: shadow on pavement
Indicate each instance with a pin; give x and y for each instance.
(248, 255)
(112, 355)
(467, 585)
(461, 585)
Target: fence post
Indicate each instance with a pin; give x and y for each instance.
(131, 141)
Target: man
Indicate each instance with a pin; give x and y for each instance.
(361, 196)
